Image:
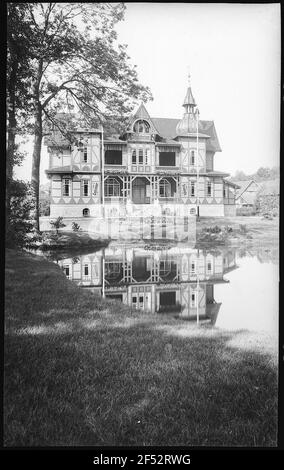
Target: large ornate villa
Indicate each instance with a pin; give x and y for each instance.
(160, 161)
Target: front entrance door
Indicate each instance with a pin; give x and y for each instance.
(139, 193)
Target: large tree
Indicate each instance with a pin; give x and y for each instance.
(76, 63)
(18, 87)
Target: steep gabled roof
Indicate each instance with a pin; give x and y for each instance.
(166, 127)
(243, 186)
(142, 113)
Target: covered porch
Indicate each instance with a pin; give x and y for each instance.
(141, 189)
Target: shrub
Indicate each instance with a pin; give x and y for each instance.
(57, 224)
(215, 229)
(75, 227)
(20, 231)
(44, 207)
(243, 228)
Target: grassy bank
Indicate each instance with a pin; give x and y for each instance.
(80, 370)
(245, 230)
(70, 240)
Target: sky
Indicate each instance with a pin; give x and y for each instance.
(232, 52)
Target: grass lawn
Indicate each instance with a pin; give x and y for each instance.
(80, 370)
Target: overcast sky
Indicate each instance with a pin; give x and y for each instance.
(233, 54)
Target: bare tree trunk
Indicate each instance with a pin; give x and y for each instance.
(37, 148)
(11, 135)
(36, 164)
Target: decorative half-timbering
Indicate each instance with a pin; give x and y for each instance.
(178, 280)
(155, 161)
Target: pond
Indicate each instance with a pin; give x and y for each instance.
(229, 288)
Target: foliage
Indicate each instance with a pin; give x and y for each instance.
(75, 65)
(246, 211)
(44, 207)
(262, 174)
(57, 224)
(215, 229)
(75, 227)
(267, 203)
(19, 230)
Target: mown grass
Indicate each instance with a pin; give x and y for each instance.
(80, 370)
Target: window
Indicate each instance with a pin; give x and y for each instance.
(167, 298)
(140, 156)
(165, 188)
(66, 270)
(86, 188)
(141, 127)
(86, 270)
(192, 157)
(167, 158)
(209, 266)
(184, 190)
(113, 157)
(192, 188)
(66, 186)
(86, 212)
(85, 154)
(165, 267)
(112, 269)
(209, 188)
(112, 187)
(95, 189)
(146, 157)
(224, 192)
(192, 268)
(193, 299)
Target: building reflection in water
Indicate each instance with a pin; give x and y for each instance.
(177, 280)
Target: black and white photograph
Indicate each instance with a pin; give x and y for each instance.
(142, 226)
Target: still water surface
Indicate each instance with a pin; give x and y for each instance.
(229, 288)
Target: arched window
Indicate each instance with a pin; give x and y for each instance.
(165, 188)
(86, 212)
(141, 127)
(112, 187)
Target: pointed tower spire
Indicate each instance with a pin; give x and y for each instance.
(189, 100)
(188, 123)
